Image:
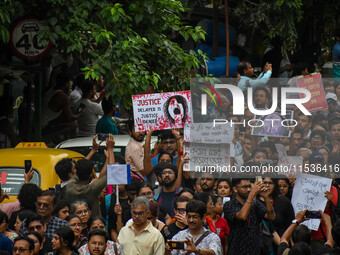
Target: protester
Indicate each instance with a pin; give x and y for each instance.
(244, 214)
(61, 210)
(22, 244)
(99, 244)
(62, 242)
(79, 186)
(38, 243)
(150, 242)
(76, 226)
(198, 240)
(45, 205)
(83, 211)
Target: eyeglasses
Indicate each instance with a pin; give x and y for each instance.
(146, 194)
(205, 178)
(169, 142)
(194, 217)
(268, 183)
(20, 250)
(44, 205)
(86, 211)
(75, 225)
(245, 187)
(38, 227)
(138, 213)
(168, 172)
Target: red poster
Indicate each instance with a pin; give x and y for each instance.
(313, 83)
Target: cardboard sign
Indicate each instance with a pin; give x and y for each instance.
(313, 83)
(118, 174)
(207, 133)
(161, 110)
(273, 124)
(309, 193)
(203, 155)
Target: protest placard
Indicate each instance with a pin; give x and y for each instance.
(309, 193)
(161, 110)
(207, 133)
(118, 174)
(314, 84)
(274, 124)
(206, 156)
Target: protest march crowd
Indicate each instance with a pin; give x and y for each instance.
(167, 210)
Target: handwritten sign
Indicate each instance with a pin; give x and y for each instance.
(273, 124)
(309, 193)
(161, 110)
(313, 83)
(206, 156)
(207, 133)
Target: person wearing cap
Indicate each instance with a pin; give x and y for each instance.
(332, 101)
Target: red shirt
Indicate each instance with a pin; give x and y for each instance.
(222, 229)
(318, 234)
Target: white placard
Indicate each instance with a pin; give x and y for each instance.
(309, 193)
(206, 155)
(207, 133)
(118, 174)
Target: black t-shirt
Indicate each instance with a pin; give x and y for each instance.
(170, 230)
(166, 201)
(244, 236)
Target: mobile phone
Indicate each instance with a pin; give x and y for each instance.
(81, 107)
(313, 215)
(258, 178)
(28, 165)
(176, 245)
(103, 136)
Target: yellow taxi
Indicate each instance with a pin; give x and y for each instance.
(44, 159)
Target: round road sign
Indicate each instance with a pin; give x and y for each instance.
(24, 38)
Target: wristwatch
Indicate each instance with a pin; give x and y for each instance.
(295, 222)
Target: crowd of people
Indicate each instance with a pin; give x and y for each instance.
(165, 210)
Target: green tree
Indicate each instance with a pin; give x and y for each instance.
(127, 41)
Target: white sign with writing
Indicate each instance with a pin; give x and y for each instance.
(207, 133)
(206, 157)
(309, 193)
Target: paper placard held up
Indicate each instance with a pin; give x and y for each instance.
(118, 174)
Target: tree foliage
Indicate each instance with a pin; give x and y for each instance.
(127, 41)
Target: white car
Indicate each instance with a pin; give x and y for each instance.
(83, 146)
